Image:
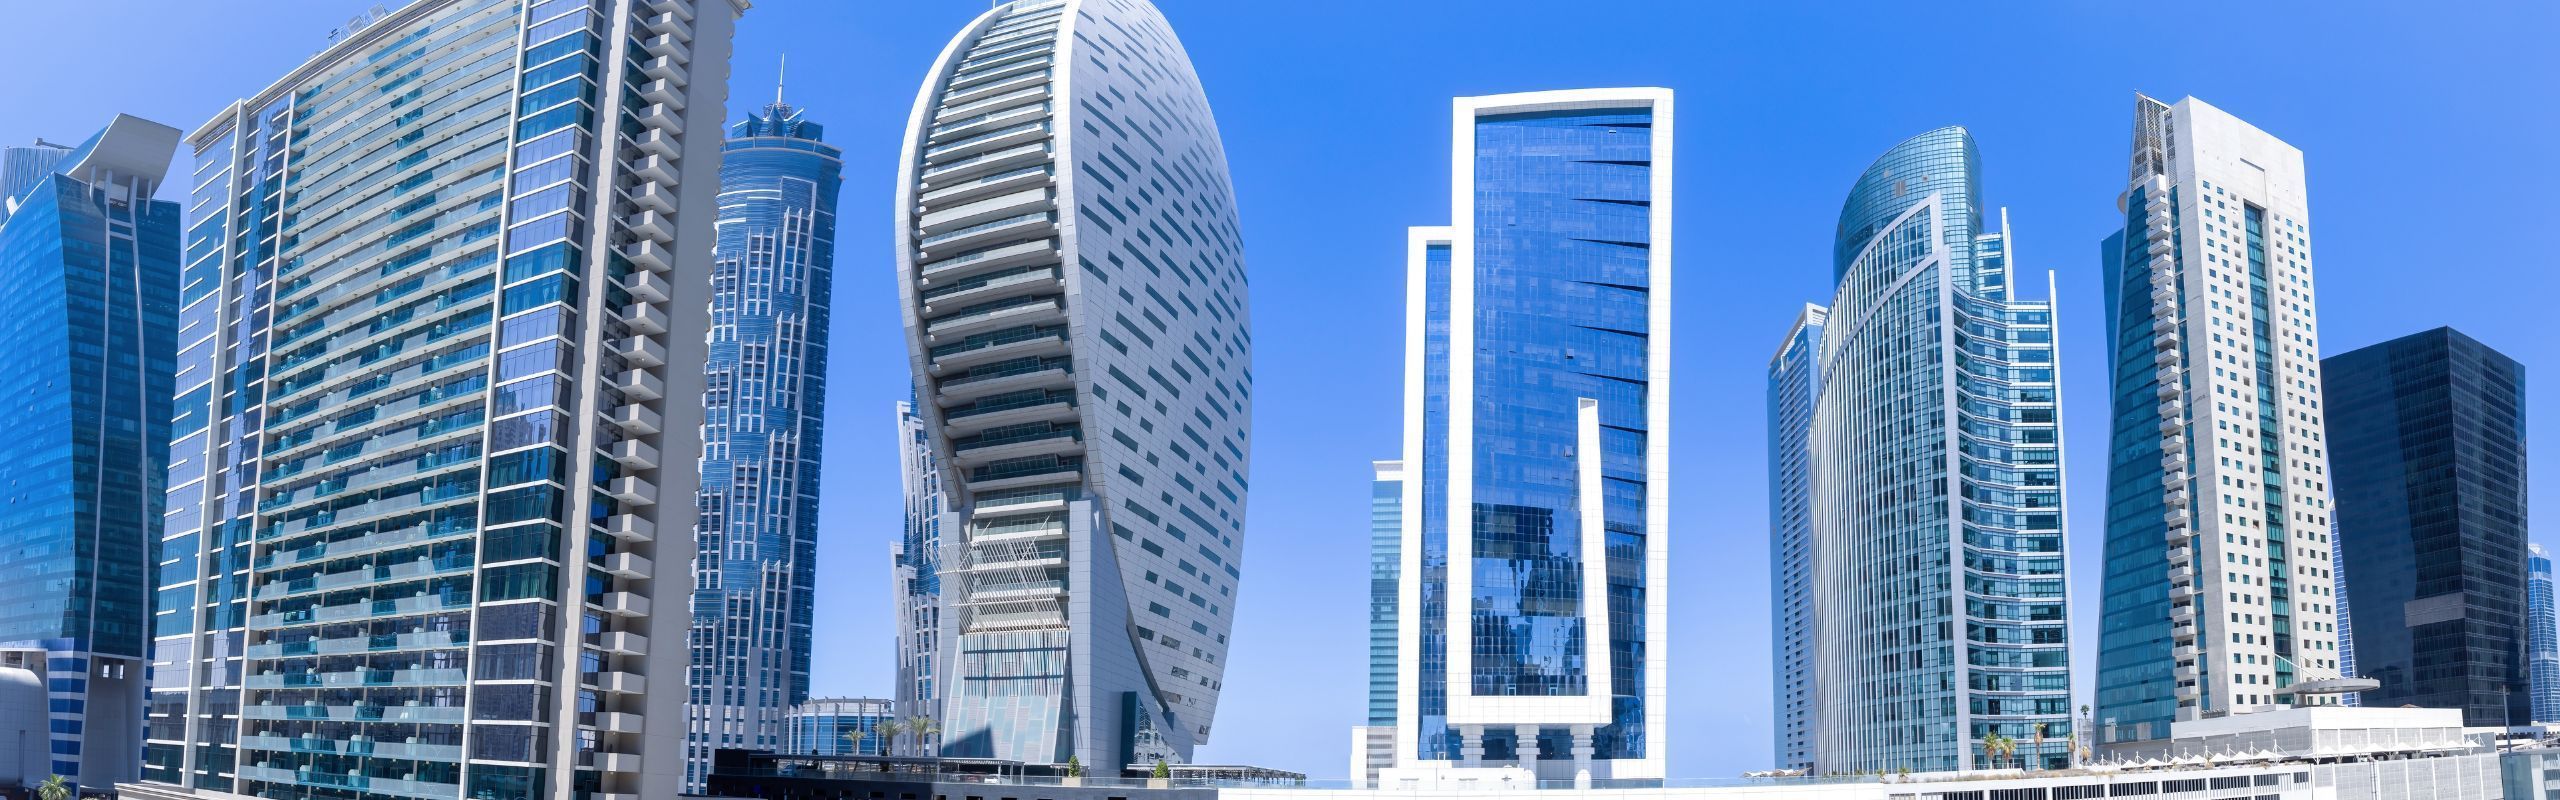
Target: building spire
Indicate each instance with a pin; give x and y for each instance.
(778, 73)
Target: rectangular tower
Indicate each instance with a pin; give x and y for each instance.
(91, 262)
(1795, 381)
(915, 566)
(2542, 638)
(2218, 593)
(1386, 535)
(1537, 409)
(443, 308)
(2427, 436)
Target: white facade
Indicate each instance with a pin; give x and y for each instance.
(2246, 461)
(1072, 276)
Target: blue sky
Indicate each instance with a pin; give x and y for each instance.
(2428, 130)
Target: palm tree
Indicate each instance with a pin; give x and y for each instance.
(889, 730)
(2039, 751)
(54, 788)
(853, 740)
(925, 730)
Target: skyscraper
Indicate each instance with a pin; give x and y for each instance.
(915, 565)
(1531, 636)
(2217, 597)
(1795, 381)
(1073, 281)
(444, 302)
(764, 405)
(1937, 535)
(2426, 435)
(1386, 535)
(2542, 637)
(88, 336)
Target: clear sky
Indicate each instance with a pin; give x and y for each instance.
(2429, 130)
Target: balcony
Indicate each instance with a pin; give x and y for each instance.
(2159, 247)
(660, 169)
(660, 117)
(669, 24)
(680, 8)
(995, 314)
(2164, 297)
(1000, 443)
(1051, 405)
(964, 169)
(997, 257)
(636, 454)
(639, 384)
(983, 382)
(669, 46)
(1034, 175)
(641, 351)
(628, 565)
(665, 92)
(620, 682)
(2170, 426)
(2177, 498)
(624, 604)
(632, 490)
(621, 643)
(656, 227)
(630, 528)
(989, 232)
(617, 722)
(1002, 206)
(618, 762)
(1027, 472)
(665, 68)
(644, 318)
(653, 196)
(638, 420)
(647, 286)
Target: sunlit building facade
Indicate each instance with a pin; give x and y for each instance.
(1795, 382)
(89, 328)
(765, 385)
(2218, 595)
(1536, 452)
(1072, 278)
(1937, 559)
(2542, 640)
(915, 575)
(443, 305)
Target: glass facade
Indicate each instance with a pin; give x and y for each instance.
(1386, 537)
(916, 575)
(838, 727)
(1795, 381)
(1937, 578)
(2427, 436)
(2218, 592)
(433, 348)
(756, 541)
(1078, 324)
(88, 329)
(2542, 637)
(1539, 395)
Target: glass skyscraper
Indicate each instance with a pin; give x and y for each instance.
(1537, 408)
(88, 332)
(1073, 282)
(436, 340)
(1795, 382)
(1386, 536)
(763, 404)
(2542, 636)
(915, 565)
(1937, 531)
(2427, 446)
(2218, 590)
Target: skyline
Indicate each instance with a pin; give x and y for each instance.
(1322, 439)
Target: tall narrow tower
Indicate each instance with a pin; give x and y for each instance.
(1937, 552)
(1537, 450)
(438, 408)
(2542, 636)
(763, 405)
(1795, 383)
(2218, 592)
(1073, 281)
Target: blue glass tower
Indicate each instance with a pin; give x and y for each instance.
(1537, 406)
(2542, 640)
(2427, 451)
(1795, 383)
(764, 400)
(915, 571)
(1936, 450)
(89, 332)
(1386, 537)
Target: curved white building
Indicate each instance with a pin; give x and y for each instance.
(1074, 294)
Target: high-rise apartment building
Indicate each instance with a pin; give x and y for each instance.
(1795, 382)
(1073, 281)
(1936, 452)
(1386, 536)
(88, 333)
(443, 299)
(2542, 636)
(764, 404)
(2218, 592)
(2426, 438)
(915, 567)
(1536, 443)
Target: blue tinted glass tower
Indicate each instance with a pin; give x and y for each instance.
(1537, 412)
(430, 497)
(2542, 639)
(763, 402)
(1386, 537)
(89, 332)
(1072, 278)
(1937, 494)
(2427, 451)
(1795, 382)
(915, 571)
